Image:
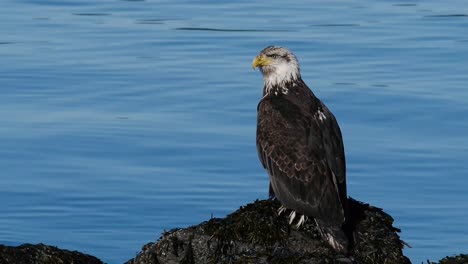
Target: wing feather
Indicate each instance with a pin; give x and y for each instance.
(303, 154)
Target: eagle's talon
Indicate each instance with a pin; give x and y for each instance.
(302, 221)
(282, 209)
(292, 215)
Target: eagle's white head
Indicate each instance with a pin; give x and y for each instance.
(279, 66)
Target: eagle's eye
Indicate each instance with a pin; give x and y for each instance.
(274, 56)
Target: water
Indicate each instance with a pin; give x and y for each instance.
(121, 119)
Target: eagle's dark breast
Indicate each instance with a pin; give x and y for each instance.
(299, 142)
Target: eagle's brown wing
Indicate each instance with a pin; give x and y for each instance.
(302, 150)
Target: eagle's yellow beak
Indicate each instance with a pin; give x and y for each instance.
(260, 61)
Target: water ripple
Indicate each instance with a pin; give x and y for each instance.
(91, 14)
(229, 30)
(448, 15)
(336, 25)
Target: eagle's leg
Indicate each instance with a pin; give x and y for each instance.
(282, 209)
(302, 221)
(271, 193)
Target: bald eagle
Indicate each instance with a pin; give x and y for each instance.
(300, 145)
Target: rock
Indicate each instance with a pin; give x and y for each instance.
(256, 234)
(460, 259)
(252, 234)
(43, 254)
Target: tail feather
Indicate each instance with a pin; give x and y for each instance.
(335, 237)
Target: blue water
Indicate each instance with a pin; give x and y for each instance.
(121, 119)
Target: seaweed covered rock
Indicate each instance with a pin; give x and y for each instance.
(256, 234)
(43, 254)
(460, 259)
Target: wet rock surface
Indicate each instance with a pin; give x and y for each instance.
(460, 259)
(255, 234)
(43, 254)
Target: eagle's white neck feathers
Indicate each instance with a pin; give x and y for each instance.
(279, 75)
